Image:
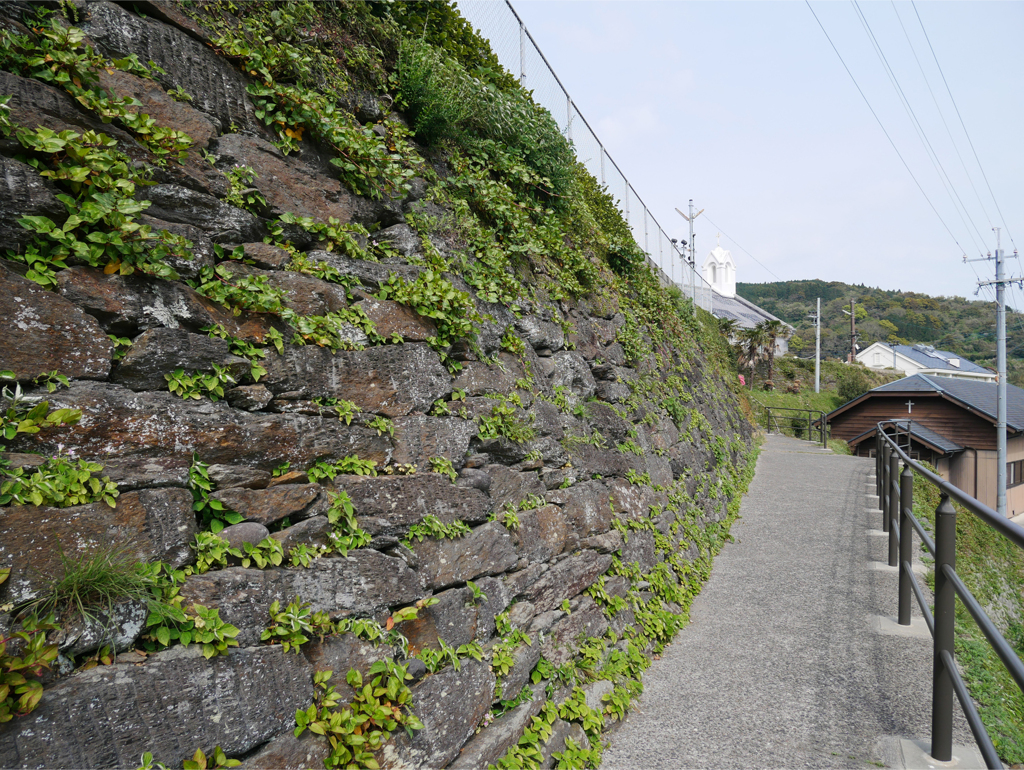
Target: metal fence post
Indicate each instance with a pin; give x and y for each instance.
(893, 512)
(824, 431)
(878, 464)
(883, 497)
(945, 609)
(906, 542)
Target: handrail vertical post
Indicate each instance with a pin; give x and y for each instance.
(892, 514)
(809, 434)
(878, 464)
(906, 556)
(945, 610)
(824, 431)
(883, 500)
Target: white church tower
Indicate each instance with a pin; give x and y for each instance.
(720, 271)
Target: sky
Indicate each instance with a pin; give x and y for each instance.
(746, 108)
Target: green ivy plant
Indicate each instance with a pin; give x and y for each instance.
(60, 481)
(379, 708)
(431, 526)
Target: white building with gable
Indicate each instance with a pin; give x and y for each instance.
(719, 271)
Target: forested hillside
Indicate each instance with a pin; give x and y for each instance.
(965, 327)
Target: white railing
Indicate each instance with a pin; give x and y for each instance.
(519, 54)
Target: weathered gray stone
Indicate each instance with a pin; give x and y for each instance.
(44, 332)
(458, 701)
(539, 333)
(520, 614)
(391, 318)
(363, 583)
(154, 524)
(589, 460)
(251, 398)
(604, 418)
(342, 653)
(315, 530)
(613, 392)
(478, 378)
(34, 103)
(146, 473)
(199, 256)
(402, 238)
(566, 579)
(392, 380)
(291, 185)
(609, 542)
(157, 352)
(269, 505)
(526, 657)
(304, 294)
(419, 437)
(542, 533)
(119, 629)
(223, 222)
(452, 619)
(595, 691)
(572, 372)
(511, 486)
(231, 476)
(629, 501)
(267, 257)
(156, 103)
(286, 752)
(495, 601)
(474, 478)
(586, 621)
(245, 532)
(127, 305)
(487, 747)
(586, 507)
(488, 550)
(170, 705)
(118, 422)
(389, 505)
(561, 730)
(217, 89)
(372, 275)
(24, 193)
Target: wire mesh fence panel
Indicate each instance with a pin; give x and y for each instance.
(517, 52)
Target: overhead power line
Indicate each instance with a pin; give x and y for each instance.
(922, 135)
(962, 124)
(882, 126)
(942, 116)
(740, 247)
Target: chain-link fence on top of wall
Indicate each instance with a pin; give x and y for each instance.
(515, 48)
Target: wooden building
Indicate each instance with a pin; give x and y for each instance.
(947, 422)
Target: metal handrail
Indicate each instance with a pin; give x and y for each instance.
(896, 499)
(819, 421)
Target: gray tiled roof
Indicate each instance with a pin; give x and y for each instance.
(931, 358)
(745, 313)
(978, 395)
(927, 434)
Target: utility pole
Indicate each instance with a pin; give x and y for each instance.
(853, 332)
(1000, 283)
(693, 253)
(817, 347)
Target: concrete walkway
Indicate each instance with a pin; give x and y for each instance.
(789, 660)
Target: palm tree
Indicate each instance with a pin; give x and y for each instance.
(751, 344)
(772, 331)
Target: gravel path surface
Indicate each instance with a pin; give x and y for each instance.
(780, 666)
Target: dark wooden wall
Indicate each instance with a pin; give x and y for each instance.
(949, 420)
